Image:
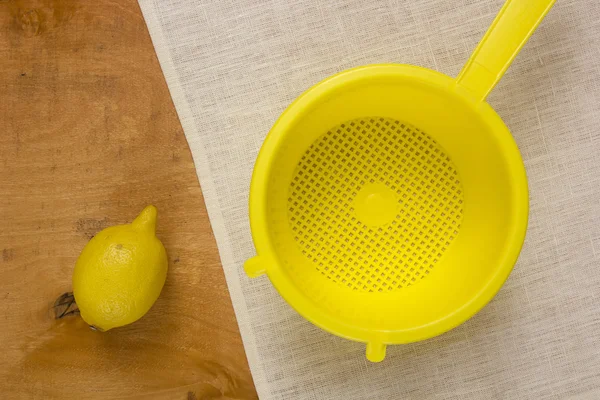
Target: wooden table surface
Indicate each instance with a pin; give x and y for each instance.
(88, 137)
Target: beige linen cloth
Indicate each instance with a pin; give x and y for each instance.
(234, 65)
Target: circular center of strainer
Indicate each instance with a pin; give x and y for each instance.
(374, 203)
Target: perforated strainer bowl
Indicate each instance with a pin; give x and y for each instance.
(389, 203)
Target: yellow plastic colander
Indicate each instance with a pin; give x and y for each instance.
(389, 203)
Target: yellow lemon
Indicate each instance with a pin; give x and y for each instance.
(120, 273)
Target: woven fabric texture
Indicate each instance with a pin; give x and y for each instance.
(234, 65)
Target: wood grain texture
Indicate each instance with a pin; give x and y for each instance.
(88, 137)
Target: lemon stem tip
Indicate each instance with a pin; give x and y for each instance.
(146, 221)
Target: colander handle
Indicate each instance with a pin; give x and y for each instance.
(375, 351)
(506, 36)
(255, 267)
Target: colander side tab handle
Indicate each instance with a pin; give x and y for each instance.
(502, 42)
(255, 267)
(375, 351)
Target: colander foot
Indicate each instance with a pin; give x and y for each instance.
(375, 351)
(255, 267)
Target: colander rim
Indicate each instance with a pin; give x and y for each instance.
(266, 255)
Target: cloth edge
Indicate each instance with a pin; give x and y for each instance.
(210, 198)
